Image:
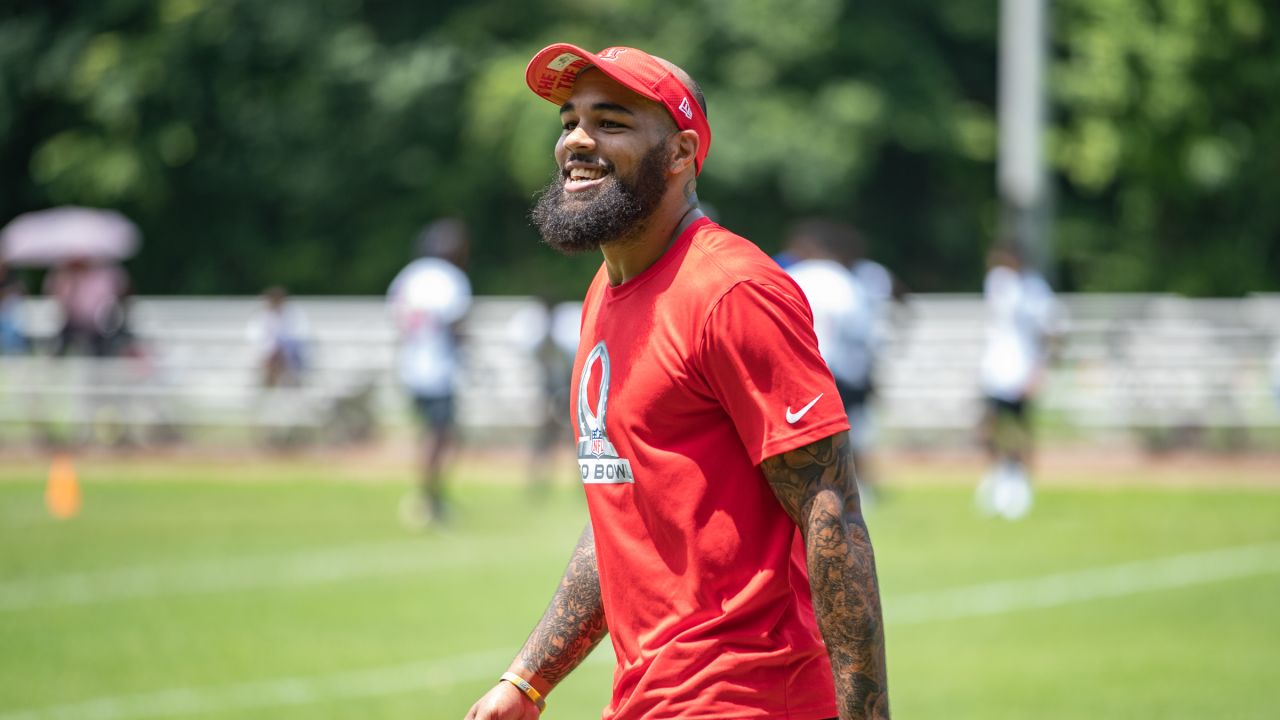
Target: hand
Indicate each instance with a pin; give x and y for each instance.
(503, 702)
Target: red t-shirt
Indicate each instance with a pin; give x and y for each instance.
(687, 377)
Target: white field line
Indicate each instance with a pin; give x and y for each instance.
(277, 693)
(997, 598)
(246, 573)
(987, 599)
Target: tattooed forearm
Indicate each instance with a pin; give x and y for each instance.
(817, 486)
(574, 621)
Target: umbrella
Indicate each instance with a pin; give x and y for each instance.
(50, 237)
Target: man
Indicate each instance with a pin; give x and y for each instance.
(844, 320)
(1024, 323)
(1275, 374)
(556, 346)
(278, 335)
(13, 293)
(91, 295)
(428, 301)
(726, 541)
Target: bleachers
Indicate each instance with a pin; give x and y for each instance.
(1128, 362)
(197, 369)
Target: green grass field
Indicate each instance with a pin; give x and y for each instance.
(288, 590)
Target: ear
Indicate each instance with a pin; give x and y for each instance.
(684, 151)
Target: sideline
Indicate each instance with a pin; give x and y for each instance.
(987, 599)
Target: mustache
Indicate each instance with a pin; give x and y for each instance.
(606, 165)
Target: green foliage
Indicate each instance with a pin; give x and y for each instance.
(1166, 144)
(304, 141)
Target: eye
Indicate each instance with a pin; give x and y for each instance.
(569, 125)
(611, 125)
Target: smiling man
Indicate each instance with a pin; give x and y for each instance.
(726, 555)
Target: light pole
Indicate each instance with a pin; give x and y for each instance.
(1021, 176)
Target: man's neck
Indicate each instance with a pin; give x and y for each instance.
(627, 258)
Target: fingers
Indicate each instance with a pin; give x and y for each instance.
(503, 702)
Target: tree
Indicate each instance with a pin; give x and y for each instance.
(304, 142)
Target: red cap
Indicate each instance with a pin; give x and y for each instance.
(553, 71)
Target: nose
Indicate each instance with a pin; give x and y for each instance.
(578, 141)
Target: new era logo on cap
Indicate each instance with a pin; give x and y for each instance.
(686, 108)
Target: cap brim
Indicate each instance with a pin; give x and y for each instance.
(553, 71)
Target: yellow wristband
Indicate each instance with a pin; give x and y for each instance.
(529, 691)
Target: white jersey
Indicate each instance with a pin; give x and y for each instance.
(875, 278)
(273, 331)
(426, 299)
(566, 322)
(1275, 373)
(877, 282)
(1022, 311)
(842, 317)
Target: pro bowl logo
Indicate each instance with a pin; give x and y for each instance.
(598, 460)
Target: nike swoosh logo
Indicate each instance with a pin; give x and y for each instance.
(792, 417)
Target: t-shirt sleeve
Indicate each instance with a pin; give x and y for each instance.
(459, 298)
(759, 356)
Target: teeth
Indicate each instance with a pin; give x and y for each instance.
(585, 174)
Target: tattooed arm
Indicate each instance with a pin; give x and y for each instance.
(817, 486)
(570, 628)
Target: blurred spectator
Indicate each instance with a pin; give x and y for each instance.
(886, 296)
(278, 334)
(555, 352)
(91, 297)
(844, 322)
(1024, 323)
(13, 337)
(428, 301)
(881, 284)
(1275, 374)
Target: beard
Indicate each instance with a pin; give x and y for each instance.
(614, 211)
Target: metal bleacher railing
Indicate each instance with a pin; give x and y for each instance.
(1127, 362)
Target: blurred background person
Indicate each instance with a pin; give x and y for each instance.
(886, 297)
(277, 335)
(429, 300)
(1024, 324)
(886, 292)
(90, 295)
(1275, 373)
(882, 285)
(83, 246)
(549, 332)
(13, 336)
(90, 291)
(843, 320)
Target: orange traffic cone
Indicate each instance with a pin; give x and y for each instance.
(62, 494)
